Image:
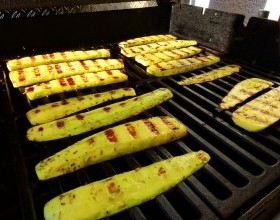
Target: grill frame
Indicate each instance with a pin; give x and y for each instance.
(203, 203)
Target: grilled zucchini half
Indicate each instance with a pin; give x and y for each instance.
(166, 55)
(259, 113)
(109, 196)
(73, 83)
(146, 40)
(156, 47)
(57, 57)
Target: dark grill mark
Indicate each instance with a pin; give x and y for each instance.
(79, 117)
(50, 68)
(161, 171)
(203, 59)
(80, 98)
(131, 129)
(40, 129)
(70, 81)
(159, 67)
(112, 188)
(244, 91)
(62, 82)
(58, 68)
(63, 55)
(55, 105)
(151, 126)
(110, 73)
(33, 59)
(37, 71)
(29, 89)
(37, 111)
(236, 98)
(45, 56)
(110, 134)
(60, 124)
(70, 66)
(169, 124)
(52, 56)
(21, 75)
(84, 65)
(90, 140)
(84, 78)
(106, 109)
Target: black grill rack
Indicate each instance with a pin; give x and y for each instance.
(243, 168)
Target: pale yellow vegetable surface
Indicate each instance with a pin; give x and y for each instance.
(113, 142)
(55, 110)
(57, 57)
(173, 67)
(80, 123)
(166, 55)
(243, 90)
(156, 47)
(112, 195)
(72, 83)
(146, 40)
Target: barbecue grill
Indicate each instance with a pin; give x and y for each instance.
(242, 180)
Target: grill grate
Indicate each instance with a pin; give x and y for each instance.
(243, 168)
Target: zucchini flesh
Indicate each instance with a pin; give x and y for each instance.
(259, 113)
(43, 73)
(211, 75)
(156, 47)
(57, 57)
(166, 55)
(146, 40)
(72, 83)
(55, 110)
(122, 191)
(113, 142)
(173, 67)
(242, 91)
(80, 123)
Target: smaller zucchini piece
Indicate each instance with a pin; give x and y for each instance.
(146, 40)
(109, 196)
(55, 110)
(166, 55)
(44, 73)
(211, 75)
(156, 47)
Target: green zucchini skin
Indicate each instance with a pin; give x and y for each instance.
(109, 196)
(80, 123)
